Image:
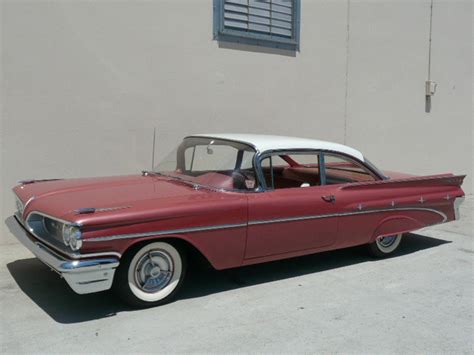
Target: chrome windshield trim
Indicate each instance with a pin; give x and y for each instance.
(166, 232)
(258, 222)
(259, 186)
(225, 140)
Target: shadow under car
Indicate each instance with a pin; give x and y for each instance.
(54, 296)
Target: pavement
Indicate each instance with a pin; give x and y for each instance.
(419, 301)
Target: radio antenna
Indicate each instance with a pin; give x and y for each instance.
(153, 152)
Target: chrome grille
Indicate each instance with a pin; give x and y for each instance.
(53, 227)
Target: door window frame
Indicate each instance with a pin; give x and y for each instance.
(322, 168)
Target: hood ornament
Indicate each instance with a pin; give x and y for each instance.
(87, 210)
(32, 181)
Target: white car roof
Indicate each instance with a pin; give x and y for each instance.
(263, 143)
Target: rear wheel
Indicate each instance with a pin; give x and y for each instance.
(150, 275)
(385, 246)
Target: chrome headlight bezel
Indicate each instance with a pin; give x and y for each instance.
(20, 206)
(72, 236)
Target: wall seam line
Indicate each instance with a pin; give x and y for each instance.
(346, 83)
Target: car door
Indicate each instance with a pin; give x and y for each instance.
(355, 226)
(294, 214)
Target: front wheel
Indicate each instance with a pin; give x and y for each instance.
(150, 276)
(385, 246)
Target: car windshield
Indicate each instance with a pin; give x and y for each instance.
(209, 162)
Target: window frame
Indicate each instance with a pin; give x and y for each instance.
(220, 33)
(356, 162)
(258, 183)
(261, 178)
(318, 154)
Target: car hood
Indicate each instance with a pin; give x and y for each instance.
(113, 198)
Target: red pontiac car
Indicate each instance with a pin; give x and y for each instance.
(237, 199)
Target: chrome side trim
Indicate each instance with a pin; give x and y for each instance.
(74, 256)
(87, 265)
(93, 255)
(28, 202)
(91, 282)
(251, 223)
(293, 219)
(166, 232)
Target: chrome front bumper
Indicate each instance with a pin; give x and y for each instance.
(83, 276)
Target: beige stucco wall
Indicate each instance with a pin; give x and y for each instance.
(84, 83)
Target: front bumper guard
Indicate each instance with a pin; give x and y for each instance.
(83, 276)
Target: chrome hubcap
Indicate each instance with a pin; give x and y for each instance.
(154, 271)
(385, 242)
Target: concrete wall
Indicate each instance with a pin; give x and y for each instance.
(84, 83)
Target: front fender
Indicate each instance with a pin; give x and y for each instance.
(223, 248)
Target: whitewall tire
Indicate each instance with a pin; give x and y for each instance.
(150, 274)
(385, 246)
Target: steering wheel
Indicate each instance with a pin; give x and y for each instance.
(239, 179)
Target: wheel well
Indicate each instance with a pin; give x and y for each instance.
(396, 225)
(194, 256)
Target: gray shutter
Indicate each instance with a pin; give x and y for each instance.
(266, 17)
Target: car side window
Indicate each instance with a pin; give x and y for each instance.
(189, 157)
(341, 170)
(247, 160)
(291, 170)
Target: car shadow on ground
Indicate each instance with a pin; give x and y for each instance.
(53, 295)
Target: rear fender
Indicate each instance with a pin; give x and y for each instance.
(396, 225)
(437, 181)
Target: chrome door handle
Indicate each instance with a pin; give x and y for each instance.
(329, 198)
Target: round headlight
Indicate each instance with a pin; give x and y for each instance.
(72, 237)
(75, 243)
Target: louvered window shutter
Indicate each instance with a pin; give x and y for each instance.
(265, 22)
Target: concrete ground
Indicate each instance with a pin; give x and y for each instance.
(420, 301)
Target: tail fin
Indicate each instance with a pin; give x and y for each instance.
(430, 180)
